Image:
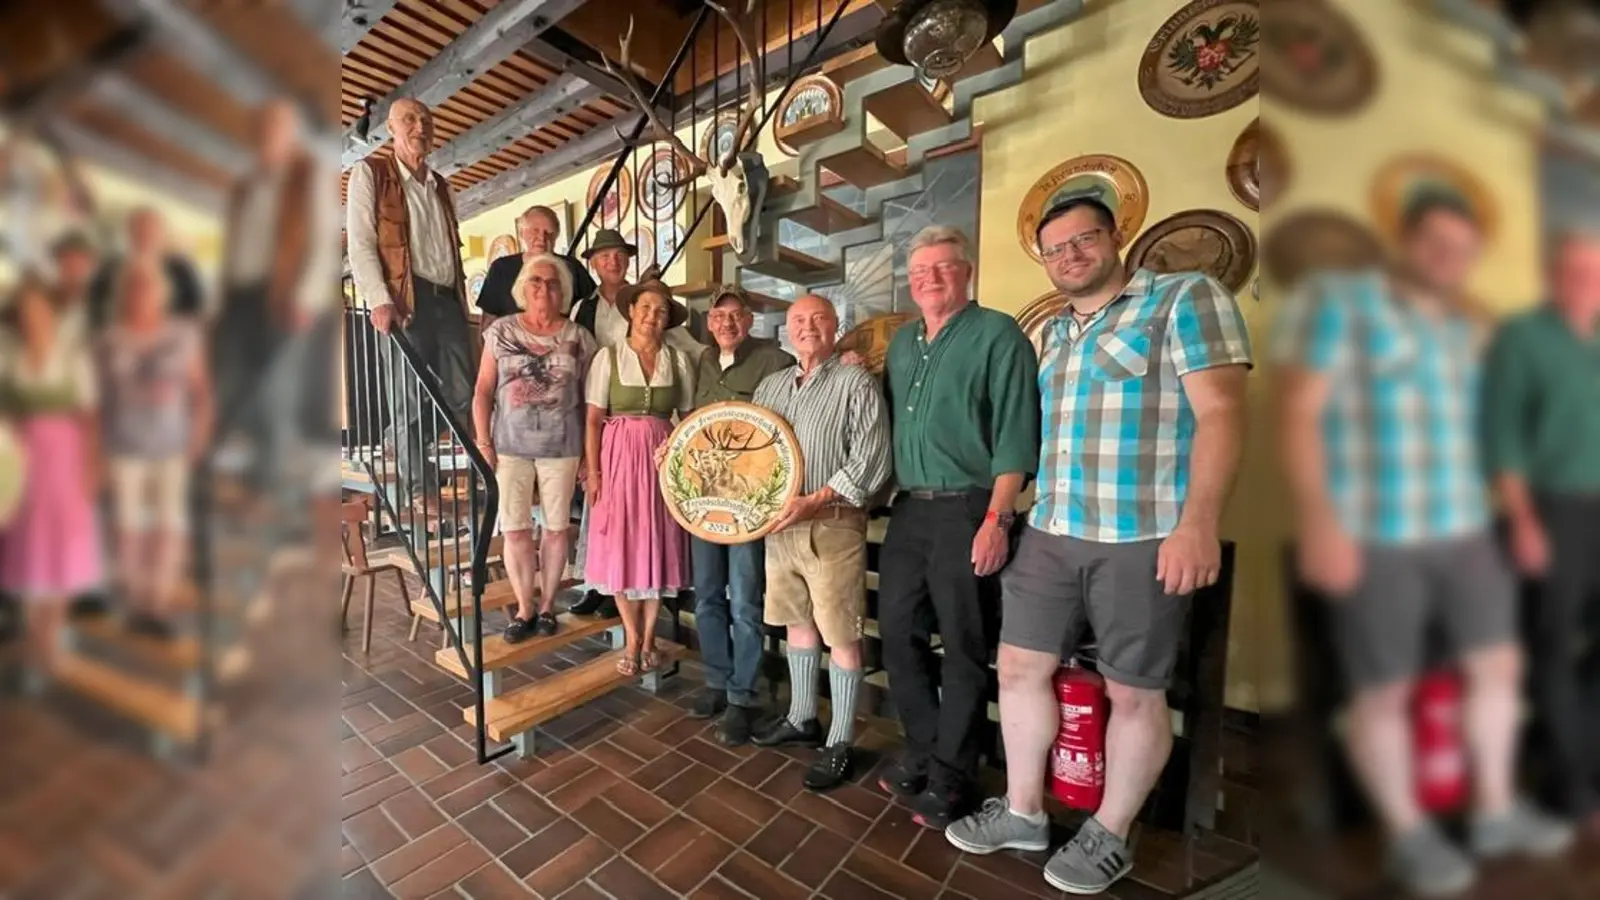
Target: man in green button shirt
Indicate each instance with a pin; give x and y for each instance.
(728, 580)
(964, 405)
(1542, 415)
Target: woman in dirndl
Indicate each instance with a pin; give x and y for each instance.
(637, 551)
(51, 552)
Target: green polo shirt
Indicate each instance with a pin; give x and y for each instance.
(753, 360)
(1542, 404)
(964, 408)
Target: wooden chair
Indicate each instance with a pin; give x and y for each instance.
(359, 564)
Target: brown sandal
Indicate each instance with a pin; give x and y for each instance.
(628, 666)
(649, 660)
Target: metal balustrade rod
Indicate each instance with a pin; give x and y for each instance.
(755, 131)
(662, 89)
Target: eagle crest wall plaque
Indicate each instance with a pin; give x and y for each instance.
(1203, 60)
(729, 469)
(1314, 58)
(1110, 179)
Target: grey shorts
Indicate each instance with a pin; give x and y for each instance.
(1056, 585)
(1463, 585)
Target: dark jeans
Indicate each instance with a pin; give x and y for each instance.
(1566, 604)
(727, 613)
(244, 344)
(926, 567)
(440, 334)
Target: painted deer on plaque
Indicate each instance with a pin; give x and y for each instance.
(739, 178)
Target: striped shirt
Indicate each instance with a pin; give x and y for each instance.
(1399, 431)
(838, 416)
(1117, 426)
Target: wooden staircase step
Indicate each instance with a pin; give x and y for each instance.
(865, 166)
(497, 654)
(907, 109)
(781, 185)
(526, 708)
(496, 595)
(759, 302)
(792, 265)
(175, 654)
(158, 707)
(828, 216)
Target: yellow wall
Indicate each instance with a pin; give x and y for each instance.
(1081, 96)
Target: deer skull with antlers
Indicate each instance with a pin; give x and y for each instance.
(739, 178)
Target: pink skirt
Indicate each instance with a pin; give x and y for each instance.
(52, 549)
(636, 548)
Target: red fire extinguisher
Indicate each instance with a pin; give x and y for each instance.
(1441, 759)
(1078, 757)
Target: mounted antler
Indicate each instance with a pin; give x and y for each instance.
(747, 116)
(697, 166)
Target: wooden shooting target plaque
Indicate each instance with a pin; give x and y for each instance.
(871, 338)
(729, 470)
(504, 245)
(1111, 180)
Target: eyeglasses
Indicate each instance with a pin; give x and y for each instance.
(1082, 243)
(548, 284)
(942, 269)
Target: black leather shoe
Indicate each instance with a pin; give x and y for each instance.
(906, 777)
(733, 730)
(589, 605)
(781, 732)
(546, 624)
(938, 806)
(831, 769)
(710, 702)
(519, 630)
(608, 607)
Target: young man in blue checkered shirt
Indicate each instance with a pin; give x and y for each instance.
(1380, 387)
(1142, 389)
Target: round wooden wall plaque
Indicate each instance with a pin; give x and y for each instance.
(619, 202)
(1316, 239)
(1405, 179)
(1199, 240)
(1111, 180)
(1036, 316)
(1315, 59)
(504, 245)
(871, 338)
(730, 468)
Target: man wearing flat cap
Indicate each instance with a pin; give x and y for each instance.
(729, 580)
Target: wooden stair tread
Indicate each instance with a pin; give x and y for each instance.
(452, 555)
(907, 109)
(758, 301)
(778, 185)
(864, 166)
(523, 709)
(497, 654)
(496, 595)
(827, 216)
(177, 654)
(159, 707)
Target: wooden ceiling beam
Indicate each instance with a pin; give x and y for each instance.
(559, 60)
(489, 41)
(190, 37)
(117, 91)
(115, 155)
(573, 156)
(538, 110)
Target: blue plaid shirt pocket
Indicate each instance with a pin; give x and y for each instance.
(1121, 354)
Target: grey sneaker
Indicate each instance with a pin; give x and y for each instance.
(994, 827)
(1427, 865)
(1522, 831)
(1091, 862)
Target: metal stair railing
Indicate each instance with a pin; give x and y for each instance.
(387, 381)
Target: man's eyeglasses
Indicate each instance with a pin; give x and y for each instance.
(1082, 243)
(943, 269)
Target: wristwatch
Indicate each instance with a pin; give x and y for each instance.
(1003, 519)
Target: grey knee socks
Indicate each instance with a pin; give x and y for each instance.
(844, 685)
(803, 684)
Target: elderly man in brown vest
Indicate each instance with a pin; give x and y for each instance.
(279, 262)
(405, 255)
